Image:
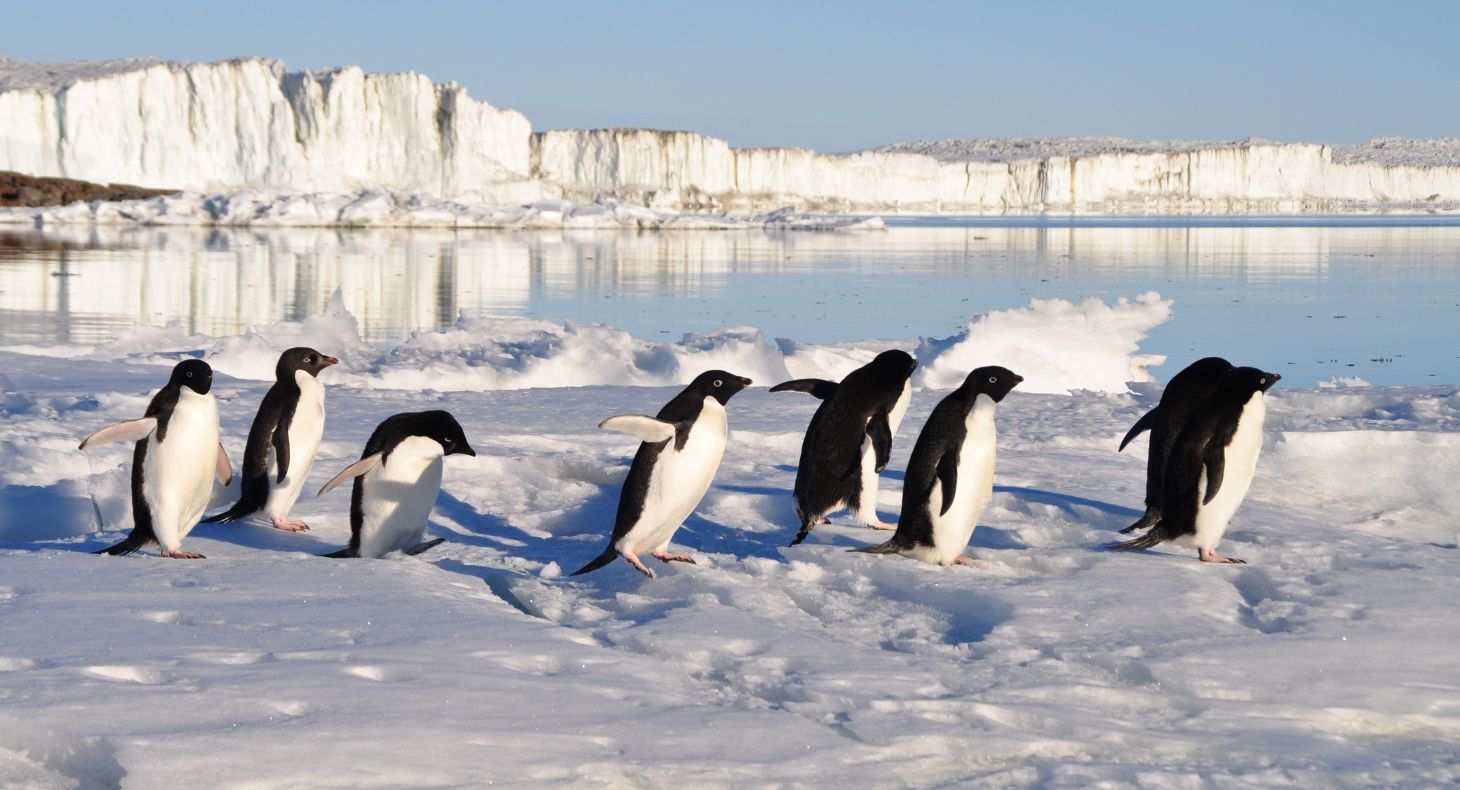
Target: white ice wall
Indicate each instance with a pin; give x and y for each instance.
(250, 124)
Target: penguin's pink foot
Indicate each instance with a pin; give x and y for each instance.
(1210, 555)
(634, 561)
(962, 559)
(289, 524)
(183, 555)
(880, 524)
(664, 556)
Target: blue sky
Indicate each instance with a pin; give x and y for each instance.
(848, 75)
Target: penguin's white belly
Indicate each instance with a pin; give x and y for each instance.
(305, 431)
(867, 499)
(679, 481)
(971, 495)
(1239, 467)
(178, 472)
(397, 497)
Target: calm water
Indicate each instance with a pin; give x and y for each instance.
(1324, 297)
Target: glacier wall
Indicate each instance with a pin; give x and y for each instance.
(250, 124)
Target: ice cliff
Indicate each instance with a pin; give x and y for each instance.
(250, 124)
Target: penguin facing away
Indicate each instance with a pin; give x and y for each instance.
(849, 439)
(1186, 392)
(676, 462)
(950, 477)
(396, 482)
(175, 462)
(282, 441)
(1211, 466)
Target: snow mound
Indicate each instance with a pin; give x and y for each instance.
(1056, 345)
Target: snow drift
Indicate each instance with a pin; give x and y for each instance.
(250, 124)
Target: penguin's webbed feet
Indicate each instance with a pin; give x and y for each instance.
(1210, 555)
(182, 555)
(289, 524)
(664, 556)
(882, 525)
(962, 559)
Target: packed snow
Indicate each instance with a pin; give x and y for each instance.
(252, 126)
(1328, 660)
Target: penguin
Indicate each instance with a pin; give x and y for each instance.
(282, 441)
(176, 460)
(677, 459)
(1186, 391)
(849, 439)
(396, 482)
(950, 477)
(1211, 465)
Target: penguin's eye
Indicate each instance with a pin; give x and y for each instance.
(446, 442)
(1262, 381)
(190, 374)
(993, 379)
(718, 382)
(309, 359)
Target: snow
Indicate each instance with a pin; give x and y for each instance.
(1328, 660)
(340, 146)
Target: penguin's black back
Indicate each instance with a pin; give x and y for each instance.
(270, 427)
(944, 433)
(1181, 399)
(1210, 429)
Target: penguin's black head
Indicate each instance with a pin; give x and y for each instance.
(895, 364)
(301, 358)
(718, 384)
(195, 374)
(1243, 382)
(993, 381)
(1210, 369)
(444, 428)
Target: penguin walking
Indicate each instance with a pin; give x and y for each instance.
(1211, 465)
(677, 459)
(176, 460)
(396, 482)
(282, 441)
(1186, 392)
(950, 477)
(849, 439)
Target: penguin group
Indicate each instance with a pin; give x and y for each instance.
(1206, 434)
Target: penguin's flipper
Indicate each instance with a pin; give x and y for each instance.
(132, 543)
(129, 431)
(879, 430)
(609, 555)
(223, 470)
(1216, 464)
(1142, 425)
(817, 388)
(280, 441)
(424, 546)
(647, 429)
(948, 476)
(356, 469)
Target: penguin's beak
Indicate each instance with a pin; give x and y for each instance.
(745, 382)
(1018, 379)
(466, 450)
(329, 361)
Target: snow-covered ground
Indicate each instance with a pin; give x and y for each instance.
(1329, 660)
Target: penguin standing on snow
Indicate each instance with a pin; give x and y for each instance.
(681, 451)
(1211, 466)
(282, 441)
(950, 477)
(849, 439)
(175, 462)
(1187, 390)
(396, 482)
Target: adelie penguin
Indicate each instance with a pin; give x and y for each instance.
(950, 477)
(176, 460)
(677, 459)
(849, 439)
(1211, 466)
(282, 441)
(1186, 391)
(396, 482)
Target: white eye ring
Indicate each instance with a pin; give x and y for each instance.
(718, 382)
(993, 379)
(190, 374)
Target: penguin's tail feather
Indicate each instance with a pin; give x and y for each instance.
(1146, 541)
(128, 546)
(420, 548)
(1149, 519)
(341, 554)
(890, 547)
(255, 495)
(609, 555)
(238, 512)
(807, 524)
